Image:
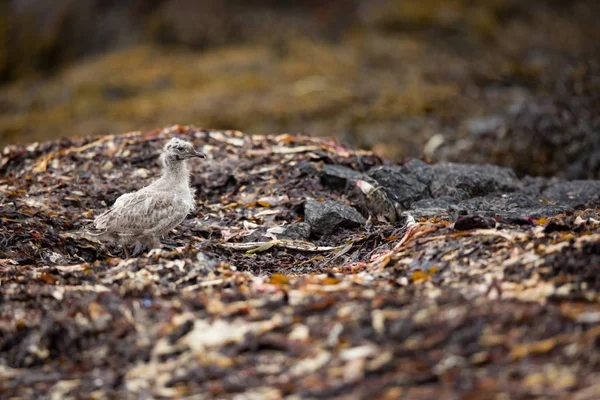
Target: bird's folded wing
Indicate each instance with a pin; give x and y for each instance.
(139, 212)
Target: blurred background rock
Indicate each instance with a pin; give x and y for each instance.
(502, 81)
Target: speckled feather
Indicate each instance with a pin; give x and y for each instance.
(146, 212)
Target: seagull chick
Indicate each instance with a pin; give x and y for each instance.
(143, 217)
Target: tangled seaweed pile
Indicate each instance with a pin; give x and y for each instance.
(283, 282)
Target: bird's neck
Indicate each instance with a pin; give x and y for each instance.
(176, 171)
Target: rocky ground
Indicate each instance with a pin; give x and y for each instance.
(442, 281)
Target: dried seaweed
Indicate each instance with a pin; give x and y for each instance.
(413, 310)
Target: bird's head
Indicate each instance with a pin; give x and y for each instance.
(179, 150)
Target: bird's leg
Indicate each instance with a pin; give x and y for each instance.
(138, 249)
(127, 255)
(155, 243)
(151, 242)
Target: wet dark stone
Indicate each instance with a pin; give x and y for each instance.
(297, 231)
(325, 217)
(405, 184)
(486, 190)
(511, 205)
(574, 193)
(418, 169)
(464, 181)
(535, 185)
(338, 176)
(428, 208)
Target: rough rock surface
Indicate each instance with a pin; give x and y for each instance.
(463, 181)
(485, 189)
(325, 217)
(246, 304)
(402, 184)
(339, 176)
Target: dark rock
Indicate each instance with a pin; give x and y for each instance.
(297, 231)
(464, 223)
(429, 208)
(486, 190)
(325, 217)
(338, 176)
(511, 206)
(454, 211)
(464, 181)
(501, 202)
(574, 193)
(405, 184)
(535, 185)
(420, 170)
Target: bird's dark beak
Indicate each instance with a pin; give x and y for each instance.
(199, 154)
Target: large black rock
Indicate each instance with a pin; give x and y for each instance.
(464, 181)
(573, 193)
(327, 216)
(406, 183)
(339, 176)
(486, 190)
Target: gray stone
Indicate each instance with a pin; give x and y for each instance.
(574, 193)
(483, 190)
(465, 181)
(297, 231)
(339, 176)
(327, 216)
(405, 184)
(500, 202)
(429, 208)
(511, 206)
